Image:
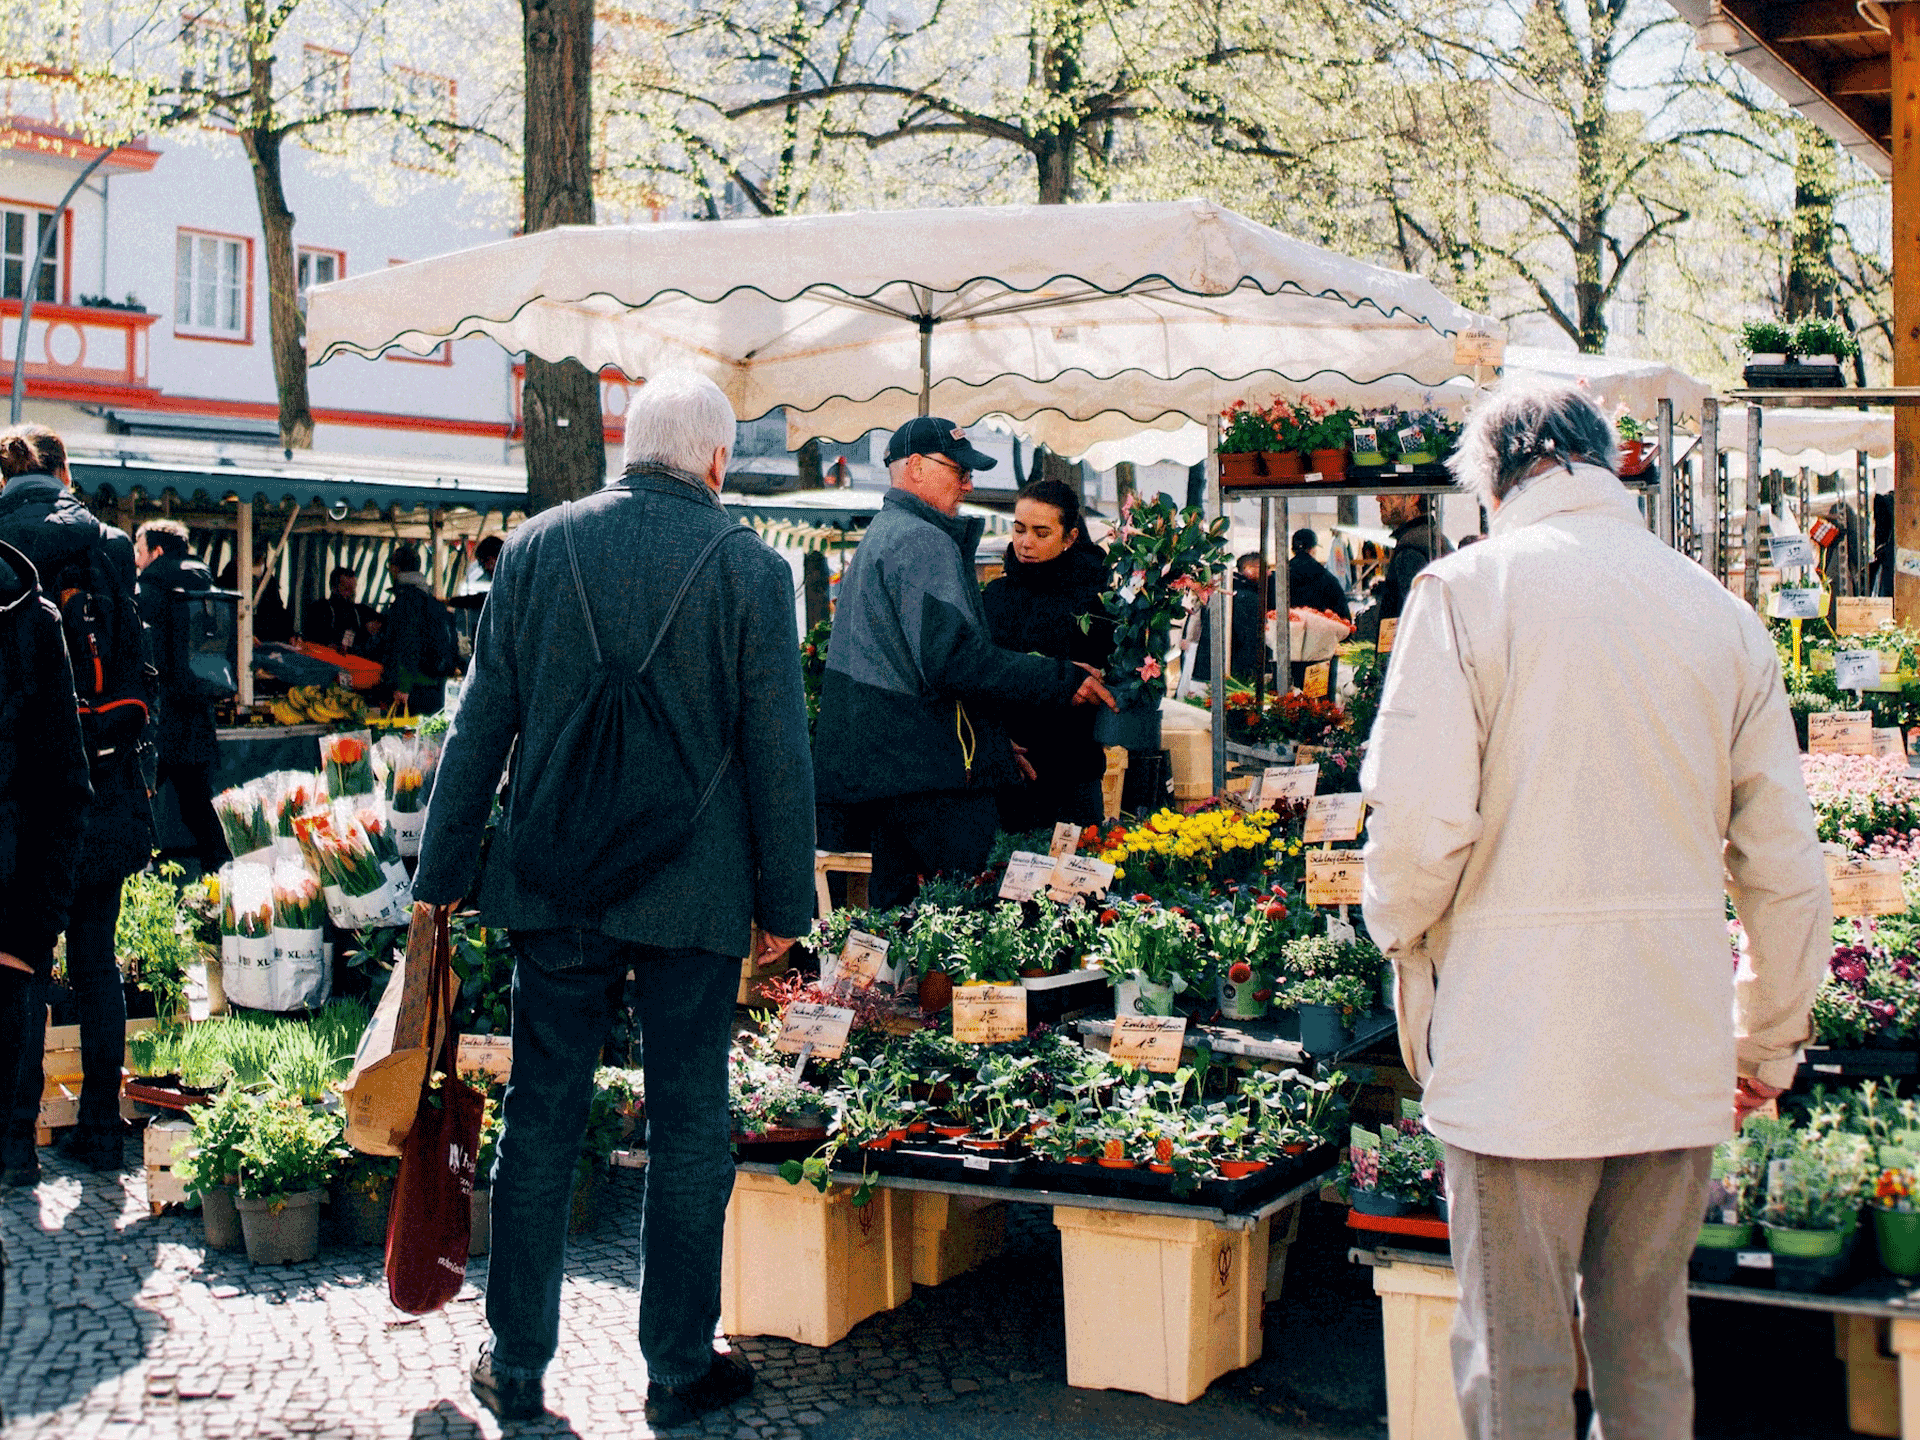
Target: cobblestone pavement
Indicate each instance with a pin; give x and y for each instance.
(121, 1324)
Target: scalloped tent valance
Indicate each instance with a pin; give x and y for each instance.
(1106, 316)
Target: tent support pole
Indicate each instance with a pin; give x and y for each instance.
(1260, 675)
(1750, 531)
(926, 364)
(243, 566)
(1217, 503)
(1663, 421)
(1711, 483)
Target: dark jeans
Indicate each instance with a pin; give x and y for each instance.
(94, 974)
(936, 832)
(18, 1027)
(193, 789)
(567, 985)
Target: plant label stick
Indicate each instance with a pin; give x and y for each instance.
(1798, 602)
(1288, 782)
(1865, 887)
(1856, 669)
(1027, 874)
(989, 1014)
(1840, 732)
(812, 1029)
(861, 961)
(486, 1054)
(1079, 875)
(1152, 1042)
(1333, 817)
(1861, 614)
(1066, 839)
(1388, 628)
(1792, 552)
(1334, 877)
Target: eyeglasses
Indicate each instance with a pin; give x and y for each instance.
(958, 469)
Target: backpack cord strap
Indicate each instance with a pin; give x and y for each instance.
(673, 609)
(579, 589)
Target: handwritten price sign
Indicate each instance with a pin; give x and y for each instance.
(1066, 839)
(824, 1027)
(862, 961)
(1333, 817)
(492, 1054)
(1865, 887)
(1861, 614)
(1288, 782)
(989, 1014)
(1080, 875)
(1027, 874)
(1840, 732)
(1152, 1042)
(1334, 877)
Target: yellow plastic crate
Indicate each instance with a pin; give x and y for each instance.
(954, 1233)
(1416, 1309)
(809, 1266)
(1159, 1304)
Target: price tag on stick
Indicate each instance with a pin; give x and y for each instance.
(1027, 875)
(1792, 552)
(1151, 1042)
(492, 1054)
(1066, 839)
(822, 1029)
(1861, 614)
(1840, 732)
(1079, 875)
(1856, 669)
(1334, 877)
(1333, 817)
(989, 1014)
(862, 961)
(1388, 628)
(1288, 782)
(1798, 602)
(1318, 679)
(1865, 887)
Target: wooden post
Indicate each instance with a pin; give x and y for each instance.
(1750, 531)
(1904, 42)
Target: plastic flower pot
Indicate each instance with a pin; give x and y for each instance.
(1715, 1236)
(284, 1230)
(1417, 457)
(1634, 457)
(360, 1218)
(1237, 999)
(1379, 1202)
(1240, 1169)
(1137, 997)
(1323, 1029)
(1806, 1244)
(482, 1228)
(1132, 727)
(1329, 465)
(1898, 1232)
(220, 1220)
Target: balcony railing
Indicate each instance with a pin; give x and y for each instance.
(78, 350)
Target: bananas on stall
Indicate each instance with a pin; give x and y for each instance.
(319, 705)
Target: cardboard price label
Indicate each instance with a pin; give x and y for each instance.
(1334, 817)
(492, 1054)
(1027, 875)
(1797, 602)
(989, 1014)
(1792, 552)
(1388, 629)
(1079, 875)
(1888, 742)
(1840, 732)
(1861, 614)
(1865, 887)
(1477, 347)
(1334, 877)
(1318, 679)
(1066, 839)
(862, 961)
(1288, 782)
(1151, 1042)
(1307, 754)
(824, 1027)
(1856, 669)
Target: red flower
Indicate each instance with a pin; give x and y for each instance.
(1274, 910)
(1240, 972)
(1107, 917)
(1143, 898)
(348, 751)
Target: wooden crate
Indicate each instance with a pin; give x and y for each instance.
(856, 865)
(157, 1144)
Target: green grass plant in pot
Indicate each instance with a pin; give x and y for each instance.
(1727, 1223)
(287, 1157)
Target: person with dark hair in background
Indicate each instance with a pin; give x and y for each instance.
(417, 642)
(339, 621)
(1413, 538)
(44, 797)
(87, 568)
(1311, 584)
(187, 742)
(1054, 578)
(1247, 648)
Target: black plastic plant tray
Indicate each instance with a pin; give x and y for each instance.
(1794, 377)
(953, 1165)
(1065, 995)
(1878, 1060)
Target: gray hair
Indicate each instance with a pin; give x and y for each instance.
(677, 418)
(1518, 426)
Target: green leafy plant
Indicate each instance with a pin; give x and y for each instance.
(1247, 430)
(212, 1156)
(154, 938)
(1347, 993)
(1817, 336)
(1818, 1179)
(1766, 337)
(1631, 431)
(288, 1149)
(1162, 560)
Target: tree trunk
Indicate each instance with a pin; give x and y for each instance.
(286, 338)
(560, 406)
(1125, 482)
(1816, 183)
(807, 462)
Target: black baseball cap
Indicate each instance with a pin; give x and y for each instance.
(930, 435)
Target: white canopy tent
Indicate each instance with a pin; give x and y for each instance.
(1084, 322)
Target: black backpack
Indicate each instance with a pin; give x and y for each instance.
(107, 647)
(203, 629)
(618, 793)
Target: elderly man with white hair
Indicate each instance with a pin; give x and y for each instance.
(1583, 746)
(649, 576)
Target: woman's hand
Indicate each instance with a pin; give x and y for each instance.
(1027, 772)
(1091, 691)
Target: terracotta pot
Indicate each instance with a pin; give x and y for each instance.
(1122, 1164)
(883, 1142)
(1240, 1169)
(1157, 1168)
(1329, 465)
(953, 1132)
(1080, 1160)
(1264, 467)
(1634, 457)
(918, 1127)
(936, 991)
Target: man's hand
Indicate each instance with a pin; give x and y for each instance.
(1091, 691)
(14, 962)
(772, 947)
(1750, 1095)
(1027, 772)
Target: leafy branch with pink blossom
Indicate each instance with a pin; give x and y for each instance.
(1163, 561)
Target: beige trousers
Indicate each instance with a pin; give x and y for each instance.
(1533, 1239)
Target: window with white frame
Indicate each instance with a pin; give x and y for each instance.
(210, 285)
(314, 267)
(424, 97)
(213, 59)
(21, 232)
(323, 84)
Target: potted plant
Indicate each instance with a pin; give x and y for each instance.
(1816, 1181)
(1400, 1171)
(360, 1198)
(1896, 1211)
(482, 1218)
(1822, 342)
(208, 1165)
(1162, 560)
(1148, 954)
(1636, 448)
(1728, 1221)
(287, 1157)
(1328, 439)
(1247, 444)
(1767, 342)
(1327, 1006)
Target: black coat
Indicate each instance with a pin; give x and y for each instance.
(186, 719)
(1037, 608)
(1410, 556)
(41, 518)
(1247, 647)
(1311, 584)
(44, 791)
(330, 621)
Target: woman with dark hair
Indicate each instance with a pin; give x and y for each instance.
(1054, 577)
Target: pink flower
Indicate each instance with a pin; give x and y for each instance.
(1150, 669)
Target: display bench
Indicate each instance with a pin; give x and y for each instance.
(1274, 1041)
(1876, 1335)
(1162, 1298)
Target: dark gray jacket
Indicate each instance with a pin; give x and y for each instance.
(729, 670)
(914, 682)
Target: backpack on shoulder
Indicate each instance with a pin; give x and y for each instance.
(619, 793)
(203, 630)
(107, 648)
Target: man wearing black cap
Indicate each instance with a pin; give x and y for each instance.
(1309, 583)
(906, 726)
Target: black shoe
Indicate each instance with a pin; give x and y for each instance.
(97, 1149)
(23, 1176)
(730, 1379)
(507, 1399)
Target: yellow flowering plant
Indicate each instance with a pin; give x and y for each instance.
(1210, 850)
